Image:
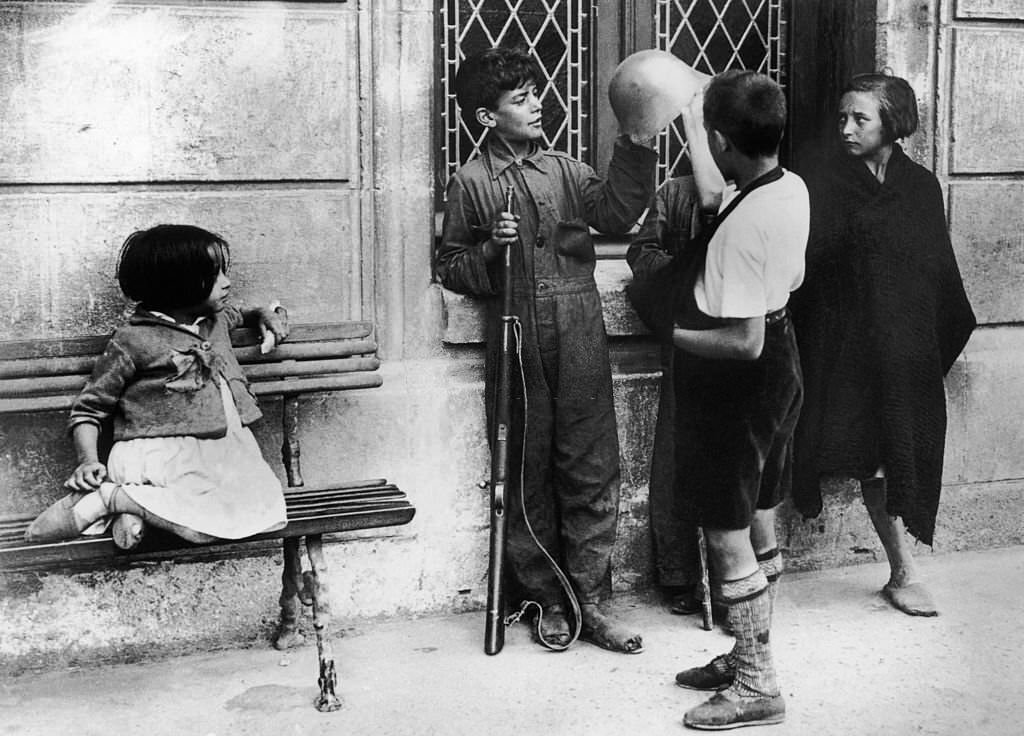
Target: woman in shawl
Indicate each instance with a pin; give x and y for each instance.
(880, 319)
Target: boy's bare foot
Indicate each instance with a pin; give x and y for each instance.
(911, 598)
(608, 634)
(552, 626)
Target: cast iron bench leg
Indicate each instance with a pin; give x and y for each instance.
(291, 605)
(291, 577)
(316, 585)
(309, 586)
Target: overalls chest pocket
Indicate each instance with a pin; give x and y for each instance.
(572, 239)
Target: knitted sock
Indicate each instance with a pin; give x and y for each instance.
(770, 563)
(734, 589)
(749, 616)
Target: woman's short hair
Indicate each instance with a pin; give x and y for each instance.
(171, 266)
(897, 104)
(747, 108)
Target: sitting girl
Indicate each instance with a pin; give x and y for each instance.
(183, 457)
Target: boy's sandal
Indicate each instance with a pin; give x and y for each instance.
(57, 523)
(602, 631)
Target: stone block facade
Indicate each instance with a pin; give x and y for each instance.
(303, 133)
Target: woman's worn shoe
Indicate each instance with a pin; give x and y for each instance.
(56, 523)
(717, 674)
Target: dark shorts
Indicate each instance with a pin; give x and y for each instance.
(735, 422)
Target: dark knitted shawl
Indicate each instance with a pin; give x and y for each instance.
(880, 319)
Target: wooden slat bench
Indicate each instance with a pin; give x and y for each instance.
(337, 507)
(46, 375)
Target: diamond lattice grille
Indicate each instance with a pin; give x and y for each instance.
(711, 35)
(556, 32)
(715, 35)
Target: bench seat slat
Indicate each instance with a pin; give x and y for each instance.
(353, 489)
(13, 369)
(319, 383)
(93, 345)
(266, 371)
(15, 388)
(349, 510)
(284, 387)
(12, 532)
(305, 351)
(311, 332)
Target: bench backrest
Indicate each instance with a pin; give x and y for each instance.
(46, 375)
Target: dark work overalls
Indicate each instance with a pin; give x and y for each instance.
(571, 455)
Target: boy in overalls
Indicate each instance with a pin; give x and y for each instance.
(571, 449)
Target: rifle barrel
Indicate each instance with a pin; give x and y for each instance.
(494, 631)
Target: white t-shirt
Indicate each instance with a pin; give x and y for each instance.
(756, 257)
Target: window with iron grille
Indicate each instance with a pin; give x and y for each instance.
(574, 40)
(556, 32)
(712, 37)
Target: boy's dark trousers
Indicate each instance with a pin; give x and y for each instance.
(571, 461)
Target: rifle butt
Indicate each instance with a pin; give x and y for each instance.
(494, 628)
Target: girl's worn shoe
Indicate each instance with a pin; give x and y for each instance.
(127, 531)
(56, 523)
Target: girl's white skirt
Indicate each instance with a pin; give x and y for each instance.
(221, 487)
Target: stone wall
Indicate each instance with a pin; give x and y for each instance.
(303, 133)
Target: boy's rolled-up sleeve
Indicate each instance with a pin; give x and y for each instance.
(671, 224)
(647, 251)
(460, 258)
(615, 204)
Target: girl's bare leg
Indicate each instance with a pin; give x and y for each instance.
(904, 590)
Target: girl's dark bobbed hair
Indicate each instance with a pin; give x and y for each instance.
(171, 266)
(897, 103)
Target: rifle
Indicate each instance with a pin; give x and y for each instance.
(494, 631)
(707, 618)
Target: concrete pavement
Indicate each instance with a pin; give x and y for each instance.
(848, 664)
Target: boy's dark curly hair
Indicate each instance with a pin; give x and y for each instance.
(484, 76)
(748, 108)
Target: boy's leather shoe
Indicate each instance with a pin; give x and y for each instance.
(722, 712)
(715, 675)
